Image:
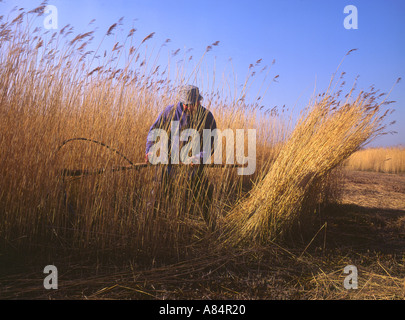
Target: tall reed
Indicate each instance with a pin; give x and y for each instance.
(53, 88)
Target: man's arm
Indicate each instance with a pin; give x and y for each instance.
(158, 124)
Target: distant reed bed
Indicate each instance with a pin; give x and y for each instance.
(388, 160)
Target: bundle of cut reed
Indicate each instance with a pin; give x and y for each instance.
(327, 133)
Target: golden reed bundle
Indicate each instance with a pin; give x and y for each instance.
(327, 133)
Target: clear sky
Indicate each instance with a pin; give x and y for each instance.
(306, 38)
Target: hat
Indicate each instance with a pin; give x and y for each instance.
(189, 95)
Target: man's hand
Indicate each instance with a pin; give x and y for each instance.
(194, 161)
(147, 157)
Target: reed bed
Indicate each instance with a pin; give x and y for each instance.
(53, 88)
(387, 160)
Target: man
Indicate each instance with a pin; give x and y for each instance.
(190, 114)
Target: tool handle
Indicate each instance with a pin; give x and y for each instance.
(78, 172)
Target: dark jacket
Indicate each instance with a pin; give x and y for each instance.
(200, 120)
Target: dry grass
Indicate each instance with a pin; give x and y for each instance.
(388, 160)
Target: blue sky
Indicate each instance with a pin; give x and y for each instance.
(307, 39)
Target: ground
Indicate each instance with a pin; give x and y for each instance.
(365, 230)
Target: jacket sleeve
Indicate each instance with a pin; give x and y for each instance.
(159, 122)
